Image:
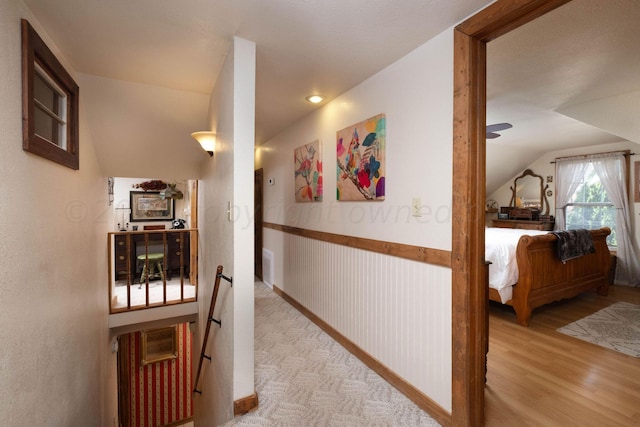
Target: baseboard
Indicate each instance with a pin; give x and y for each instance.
(416, 396)
(246, 404)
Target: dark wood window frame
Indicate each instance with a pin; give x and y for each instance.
(35, 51)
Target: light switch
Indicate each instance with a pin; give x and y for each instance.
(416, 204)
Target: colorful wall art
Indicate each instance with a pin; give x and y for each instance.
(361, 161)
(308, 172)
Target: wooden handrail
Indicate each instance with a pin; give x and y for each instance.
(205, 340)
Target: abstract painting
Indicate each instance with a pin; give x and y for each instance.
(361, 160)
(308, 172)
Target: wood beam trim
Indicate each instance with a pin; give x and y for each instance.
(469, 182)
(468, 235)
(415, 253)
(501, 17)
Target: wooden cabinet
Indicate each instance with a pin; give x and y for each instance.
(524, 219)
(526, 214)
(524, 224)
(120, 259)
(177, 252)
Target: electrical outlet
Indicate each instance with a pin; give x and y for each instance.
(415, 207)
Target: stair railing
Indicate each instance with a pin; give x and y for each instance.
(214, 297)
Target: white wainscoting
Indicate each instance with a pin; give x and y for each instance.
(268, 267)
(399, 311)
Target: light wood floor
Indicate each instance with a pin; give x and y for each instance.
(539, 377)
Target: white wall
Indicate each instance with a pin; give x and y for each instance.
(121, 203)
(415, 94)
(616, 114)
(228, 240)
(142, 130)
(56, 365)
(243, 215)
(412, 335)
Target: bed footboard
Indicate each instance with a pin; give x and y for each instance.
(543, 278)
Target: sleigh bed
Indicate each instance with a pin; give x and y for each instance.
(540, 276)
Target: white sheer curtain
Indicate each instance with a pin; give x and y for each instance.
(611, 171)
(610, 168)
(569, 174)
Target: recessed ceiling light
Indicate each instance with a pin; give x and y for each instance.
(315, 99)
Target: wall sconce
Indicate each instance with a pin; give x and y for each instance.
(207, 140)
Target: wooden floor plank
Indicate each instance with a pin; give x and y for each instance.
(539, 377)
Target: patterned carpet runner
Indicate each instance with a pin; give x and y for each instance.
(305, 378)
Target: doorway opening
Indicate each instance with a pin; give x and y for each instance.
(258, 208)
(469, 323)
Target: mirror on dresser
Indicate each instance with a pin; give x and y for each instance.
(529, 207)
(528, 192)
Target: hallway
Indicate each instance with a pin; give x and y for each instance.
(304, 377)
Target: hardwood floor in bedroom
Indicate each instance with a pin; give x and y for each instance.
(539, 377)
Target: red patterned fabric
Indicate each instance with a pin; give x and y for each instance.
(161, 391)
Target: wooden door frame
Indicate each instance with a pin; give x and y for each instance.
(258, 180)
(469, 192)
(193, 242)
(123, 380)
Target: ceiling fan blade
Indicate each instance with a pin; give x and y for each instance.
(498, 127)
(491, 135)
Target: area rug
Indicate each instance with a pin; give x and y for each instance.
(616, 327)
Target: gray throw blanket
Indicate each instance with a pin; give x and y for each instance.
(574, 243)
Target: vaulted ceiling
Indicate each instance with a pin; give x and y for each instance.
(570, 78)
(303, 47)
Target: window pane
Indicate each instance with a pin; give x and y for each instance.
(590, 190)
(44, 93)
(50, 109)
(49, 129)
(44, 125)
(592, 218)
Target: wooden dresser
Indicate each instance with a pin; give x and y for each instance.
(529, 207)
(524, 224)
(177, 243)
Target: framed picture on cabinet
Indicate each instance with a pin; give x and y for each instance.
(149, 206)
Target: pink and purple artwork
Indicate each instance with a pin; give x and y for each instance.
(308, 172)
(361, 160)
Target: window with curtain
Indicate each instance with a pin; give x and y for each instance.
(591, 207)
(591, 192)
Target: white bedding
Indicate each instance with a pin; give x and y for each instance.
(500, 248)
